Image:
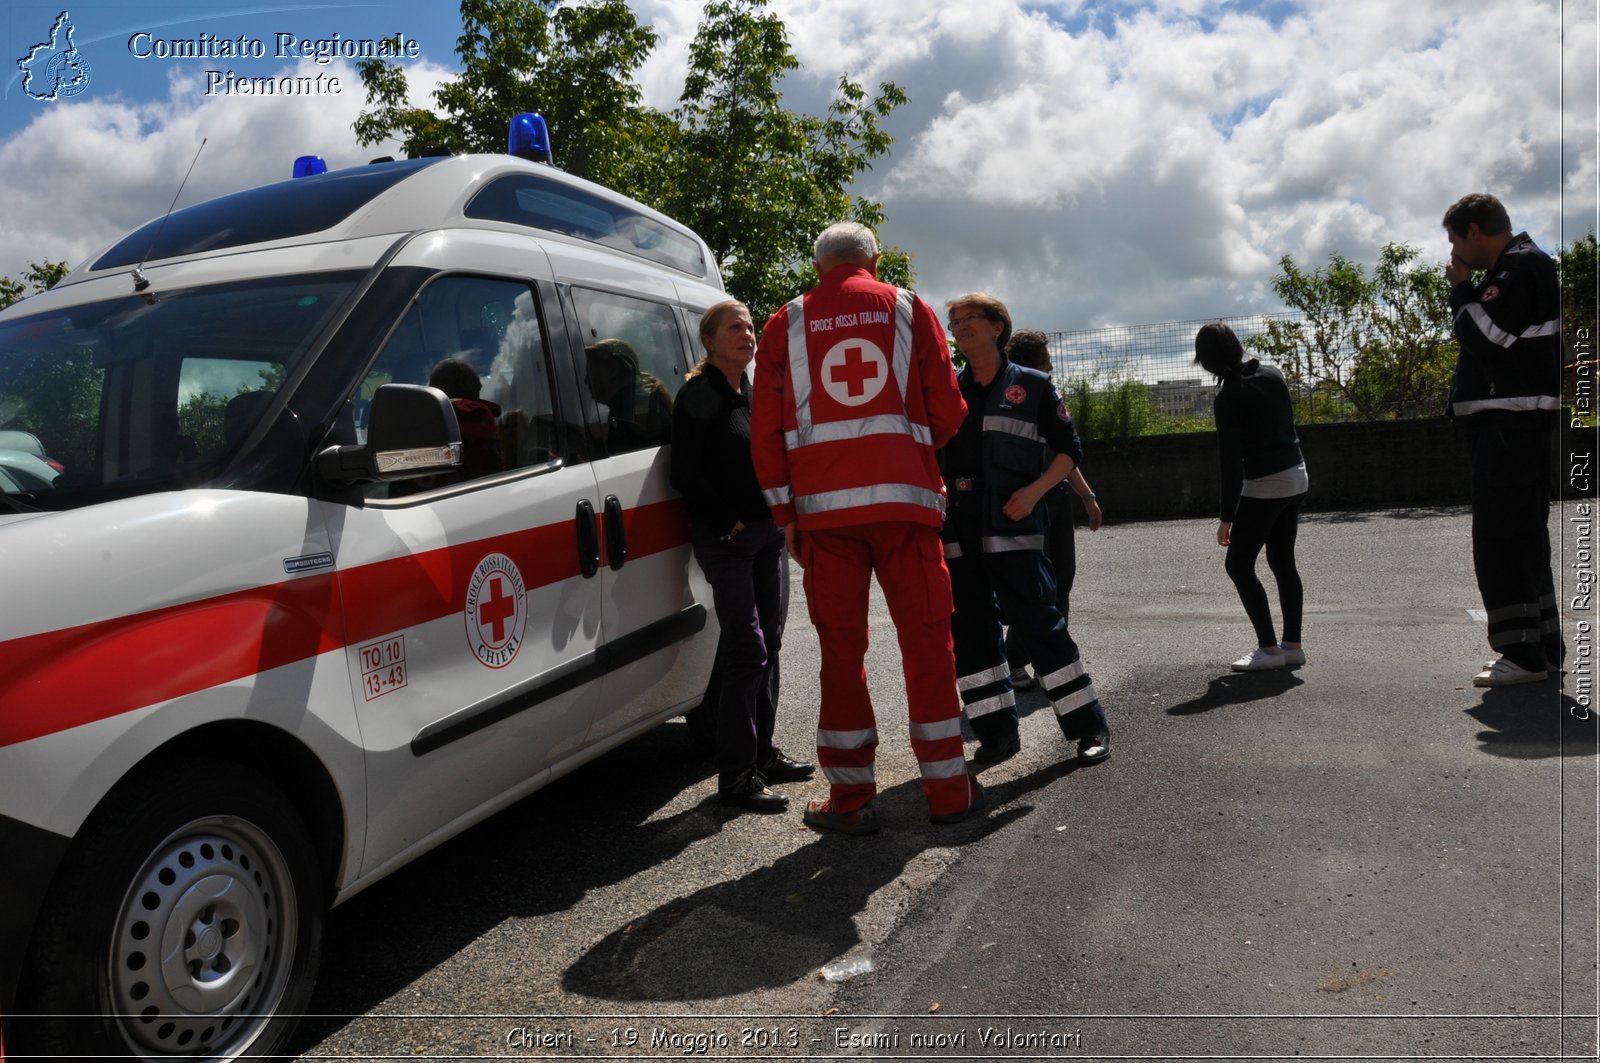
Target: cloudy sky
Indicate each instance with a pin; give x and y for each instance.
(1092, 163)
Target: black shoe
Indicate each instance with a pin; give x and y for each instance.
(783, 768)
(1094, 748)
(749, 792)
(995, 750)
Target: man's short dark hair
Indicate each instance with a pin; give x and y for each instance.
(1030, 348)
(1478, 208)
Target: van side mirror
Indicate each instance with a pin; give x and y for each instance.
(411, 431)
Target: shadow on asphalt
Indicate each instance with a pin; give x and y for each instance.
(785, 921)
(1361, 516)
(538, 857)
(1524, 723)
(1236, 688)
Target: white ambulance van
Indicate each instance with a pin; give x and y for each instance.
(279, 616)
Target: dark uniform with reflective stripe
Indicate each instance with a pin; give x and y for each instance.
(1013, 428)
(1505, 396)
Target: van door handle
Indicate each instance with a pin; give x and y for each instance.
(616, 536)
(588, 539)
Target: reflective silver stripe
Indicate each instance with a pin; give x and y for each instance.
(988, 705)
(847, 739)
(849, 776)
(1062, 676)
(1520, 403)
(1510, 612)
(1499, 336)
(952, 550)
(1076, 700)
(778, 496)
(1011, 426)
(944, 769)
(999, 544)
(983, 679)
(871, 495)
(799, 362)
(879, 425)
(1515, 637)
(933, 732)
(903, 303)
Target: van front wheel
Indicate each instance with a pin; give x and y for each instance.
(187, 921)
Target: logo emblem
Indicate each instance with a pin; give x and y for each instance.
(496, 611)
(1490, 292)
(1016, 394)
(54, 69)
(1062, 412)
(854, 372)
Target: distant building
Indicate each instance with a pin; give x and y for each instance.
(1192, 397)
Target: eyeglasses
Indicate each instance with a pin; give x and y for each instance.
(955, 323)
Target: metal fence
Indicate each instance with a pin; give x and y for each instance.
(1133, 380)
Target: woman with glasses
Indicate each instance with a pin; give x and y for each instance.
(741, 552)
(1017, 442)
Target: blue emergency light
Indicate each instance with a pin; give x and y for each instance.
(530, 138)
(309, 166)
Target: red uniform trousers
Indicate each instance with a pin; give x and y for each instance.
(909, 561)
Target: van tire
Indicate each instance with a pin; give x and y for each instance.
(205, 864)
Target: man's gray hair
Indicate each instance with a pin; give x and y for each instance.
(846, 241)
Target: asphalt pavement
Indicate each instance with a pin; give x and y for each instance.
(1366, 857)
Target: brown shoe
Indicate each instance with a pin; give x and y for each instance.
(819, 815)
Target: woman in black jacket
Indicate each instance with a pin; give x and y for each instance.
(741, 552)
(1263, 483)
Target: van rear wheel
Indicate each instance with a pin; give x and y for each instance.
(187, 921)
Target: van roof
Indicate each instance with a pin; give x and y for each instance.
(474, 191)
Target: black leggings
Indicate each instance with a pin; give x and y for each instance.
(1269, 522)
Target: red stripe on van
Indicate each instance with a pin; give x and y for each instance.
(56, 680)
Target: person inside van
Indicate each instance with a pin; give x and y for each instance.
(481, 451)
(740, 550)
(637, 405)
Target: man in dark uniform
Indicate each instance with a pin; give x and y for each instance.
(1505, 397)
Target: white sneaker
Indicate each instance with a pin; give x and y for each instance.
(1261, 659)
(1506, 673)
(1293, 655)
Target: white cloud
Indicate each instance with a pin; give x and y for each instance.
(83, 173)
(1090, 161)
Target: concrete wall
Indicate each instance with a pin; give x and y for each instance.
(1381, 465)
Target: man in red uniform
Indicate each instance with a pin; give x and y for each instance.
(854, 392)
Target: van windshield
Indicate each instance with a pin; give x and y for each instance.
(124, 396)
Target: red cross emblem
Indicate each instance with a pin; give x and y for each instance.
(854, 372)
(496, 611)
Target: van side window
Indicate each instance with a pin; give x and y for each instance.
(633, 364)
(480, 342)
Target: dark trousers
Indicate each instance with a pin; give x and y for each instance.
(745, 574)
(1273, 523)
(1061, 549)
(1511, 541)
(1019, 585)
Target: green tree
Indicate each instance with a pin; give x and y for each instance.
(573, 63)
(757, 180)
(1579, 284)
(1377, 346)
(36, 278)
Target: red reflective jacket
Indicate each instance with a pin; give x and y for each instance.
(854, 393)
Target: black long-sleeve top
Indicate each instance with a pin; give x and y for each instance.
(711, 464)
(1255, 429)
